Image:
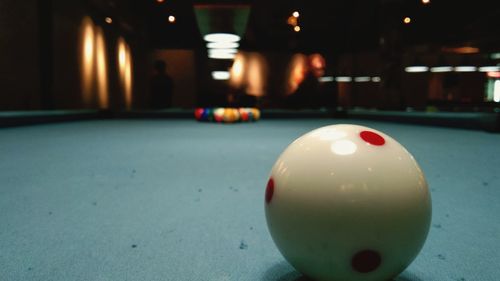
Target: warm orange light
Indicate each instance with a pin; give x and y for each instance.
(425, 2)
(317, 64)
(160, 1)
(125, 71)
(88, 45)
(171, 19)
(87, 60)
(296, 72)
(461, 50)
(256, 74)
(237, 70)
(102, 70)
(121, 56)
(407, 20)
(292, 21)
(493, 74)
(317, 61)
(108, 20)
(128, 80)
(296, 28)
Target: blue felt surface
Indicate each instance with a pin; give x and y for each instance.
(181, 200)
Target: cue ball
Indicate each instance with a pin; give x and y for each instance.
(347, 202)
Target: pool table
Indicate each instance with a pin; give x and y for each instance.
(177, 199)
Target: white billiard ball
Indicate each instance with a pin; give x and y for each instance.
(347, 202)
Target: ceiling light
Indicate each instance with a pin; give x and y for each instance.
(325, 79)
(495, 56)
(343, 79)
(222, 45)
(222, 56)
(221, 37)
(171, 19)
(489, 68)
(296, 28)
(407, 20)
(108, 20)
(376, 79)
(220, 75)
(221, 53)
(465, 68)
(362, 79)
(296, 14)
(441, 69)
(416, 68)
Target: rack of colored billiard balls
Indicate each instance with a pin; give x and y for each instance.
(227, 114)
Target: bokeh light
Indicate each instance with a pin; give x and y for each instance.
(125, 71)
(87, 60)
(102, 70)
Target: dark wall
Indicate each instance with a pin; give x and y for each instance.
(19, 59)
(181, 66)
(67, 19)
(68, 44)
(142, 56)
(41, 42)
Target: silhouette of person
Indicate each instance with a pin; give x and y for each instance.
(162, 86)
(308, 91)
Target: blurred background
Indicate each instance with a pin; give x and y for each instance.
(125, 55)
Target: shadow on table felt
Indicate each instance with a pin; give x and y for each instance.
(283, 271)
(407, 276)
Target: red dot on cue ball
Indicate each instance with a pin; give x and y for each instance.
(372, 138)
(366, 261)
(269, 190)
